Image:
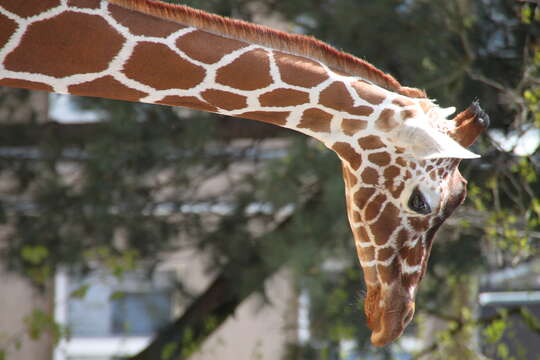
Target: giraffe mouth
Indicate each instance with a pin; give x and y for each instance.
(391, 324)
(387, 321)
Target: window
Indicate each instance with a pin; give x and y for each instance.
(115, 318)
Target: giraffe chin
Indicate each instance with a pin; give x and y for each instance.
(388, 322)
(391, 329)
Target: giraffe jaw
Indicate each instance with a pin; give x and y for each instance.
(389, 311)
(390, 327)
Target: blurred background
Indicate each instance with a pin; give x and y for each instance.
(134, 231)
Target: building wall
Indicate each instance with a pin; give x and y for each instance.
(17, 301)
(258, 330)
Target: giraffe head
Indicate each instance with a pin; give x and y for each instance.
(402, 189)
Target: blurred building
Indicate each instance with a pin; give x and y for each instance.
(108, 317)
(507, 294)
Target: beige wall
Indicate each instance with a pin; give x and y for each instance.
(18, 299)
(258, 330)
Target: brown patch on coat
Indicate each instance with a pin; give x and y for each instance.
(207, 48)
(352, 126)
(357, 217)
(362, 196)
(142, 24)
(370, 176)
(371, 142)
(419, 224)
(316, 120)
(187, 101)
(408, 280)
(284, 97)
(84, 4)
(348, 154)
(374, 207)
(24, 8)
(402, 102)
(161, 68)
(106, 87)
(385, 253)
(388, 221)
(408, 113)
(402, 237)
(413, 256)
(224, 99)
(16, 83)
(299, 71)
(60, 38)
(366, 254)
(396, 190)
(390, 273)
(249, 71)
(336, 96)
(350, 178)
(272, 117)
(391, 172)
(362, 235)
(7, 28)
(380, 158)
(386, 121)
(372, 94)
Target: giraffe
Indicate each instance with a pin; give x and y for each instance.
(399, 150)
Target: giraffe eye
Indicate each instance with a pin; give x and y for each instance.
(418, 203)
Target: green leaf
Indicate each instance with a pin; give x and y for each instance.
(34, 254)
(80, 293)
(495, 331)
(168, 351)
(526, 13)
(117, 295)
(39, 322)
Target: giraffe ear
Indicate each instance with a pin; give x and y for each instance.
(427, 143)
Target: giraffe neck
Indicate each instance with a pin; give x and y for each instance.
(96, 48)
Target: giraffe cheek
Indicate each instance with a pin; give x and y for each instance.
(412, 256)
(387, 223)
(410, 283)
(420, 225)
(413, 266)
(388, 273)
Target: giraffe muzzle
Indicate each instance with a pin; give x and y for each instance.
(392, 323)
(388, 311)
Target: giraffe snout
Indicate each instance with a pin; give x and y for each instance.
(389, 311)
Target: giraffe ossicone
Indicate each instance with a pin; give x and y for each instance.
(399, 150)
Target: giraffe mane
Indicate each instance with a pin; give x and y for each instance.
(262, 35)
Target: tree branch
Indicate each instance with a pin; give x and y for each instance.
(220, 300)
